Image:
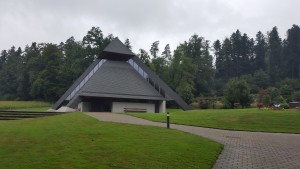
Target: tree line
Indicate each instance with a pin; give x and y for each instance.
(195, 69)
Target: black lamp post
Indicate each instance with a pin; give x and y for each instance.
(168, 120)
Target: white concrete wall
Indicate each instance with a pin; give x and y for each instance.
(84, 106)
(162, 106)
(118, 107)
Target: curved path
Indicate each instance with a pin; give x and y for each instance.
(242, 150)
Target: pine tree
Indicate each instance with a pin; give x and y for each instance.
(274, 56)
(236, 55)
(10, 73)
(227, 69)
(167, 53)
(3, 57)
(219, 58)
(127, 44)
(260, 52)
(144, 56)
(292, 52)
(154, 49)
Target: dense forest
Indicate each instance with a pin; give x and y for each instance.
(237, 69)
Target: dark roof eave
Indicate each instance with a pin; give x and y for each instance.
(123, 96)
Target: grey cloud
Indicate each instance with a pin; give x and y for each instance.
(143, 22)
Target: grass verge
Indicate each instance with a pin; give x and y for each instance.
(283, 121)
(75, 140)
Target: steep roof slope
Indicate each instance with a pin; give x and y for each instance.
(118, 79)
(116, 50)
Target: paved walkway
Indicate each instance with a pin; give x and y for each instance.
(242, 150)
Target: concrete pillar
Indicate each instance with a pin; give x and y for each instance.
(84, 106)
(79, 106)
(162, 106)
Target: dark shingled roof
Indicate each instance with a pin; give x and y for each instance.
(116, 50)
(118, 79)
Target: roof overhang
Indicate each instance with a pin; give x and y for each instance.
(122, 96)
(115, 56)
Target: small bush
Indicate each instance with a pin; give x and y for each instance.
(285, 106)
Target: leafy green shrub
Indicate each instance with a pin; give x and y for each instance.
(272, 97)
(285, 106)
(237, 91)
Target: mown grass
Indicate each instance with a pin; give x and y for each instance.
(11, 105)
(284, 121)
(75, 140)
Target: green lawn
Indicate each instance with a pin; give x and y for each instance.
(10, 105)
(75, 140)
(286, 121)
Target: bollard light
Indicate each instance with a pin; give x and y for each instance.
(168, 120)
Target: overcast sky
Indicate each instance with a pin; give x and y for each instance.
(142, 21)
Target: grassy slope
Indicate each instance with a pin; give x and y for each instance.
(287, 121)
(9, 105)
(75, 140)
(34, 109)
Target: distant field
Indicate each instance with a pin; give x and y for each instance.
(11, 105)
(285, 121)
(75, 140)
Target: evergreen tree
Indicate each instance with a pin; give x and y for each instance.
(197, 48)
(10, 73)
(242, 54)
(127, 44)
(219, 58)
(292, 52)
(260, 52)
(261, 79)
(154, 49)
(144, 56)
(236, 55)
(274, 56)
(167, 53)
(247, 55)
(226, 68)
(3, 57)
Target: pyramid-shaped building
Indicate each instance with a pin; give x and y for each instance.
(118, 81)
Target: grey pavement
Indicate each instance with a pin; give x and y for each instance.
(242, 150)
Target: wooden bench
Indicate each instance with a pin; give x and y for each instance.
(135, 110)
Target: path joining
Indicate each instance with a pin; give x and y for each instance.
(242, 150)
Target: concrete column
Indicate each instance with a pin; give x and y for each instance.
(79, 107)
(84, 106)
(162, 106)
